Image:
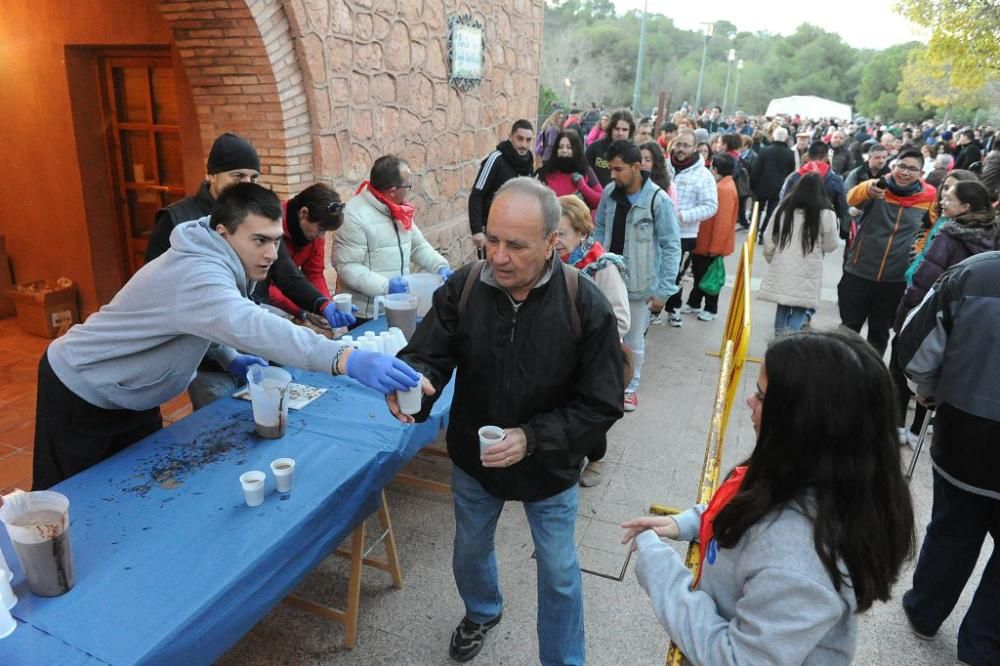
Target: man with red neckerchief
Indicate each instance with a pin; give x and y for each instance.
(379, 239)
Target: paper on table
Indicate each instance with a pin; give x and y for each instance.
(299, 395)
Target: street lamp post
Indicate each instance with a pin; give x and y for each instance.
(709, 28)
(638, 66)
(736, 93)
(729, 69)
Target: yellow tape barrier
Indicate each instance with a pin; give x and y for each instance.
(733, 353)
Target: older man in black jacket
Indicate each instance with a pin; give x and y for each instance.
(769, 172)
(548, 371)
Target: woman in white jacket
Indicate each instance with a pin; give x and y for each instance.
(576, 247)
(379, 238)
(804, 229)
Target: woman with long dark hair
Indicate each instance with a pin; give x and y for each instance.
(803, 229)
(807, 533)
(655, 163)
(567, 171)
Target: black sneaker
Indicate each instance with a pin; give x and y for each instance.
(467, 639)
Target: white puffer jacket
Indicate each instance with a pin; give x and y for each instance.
(371, 247)
(792, 279)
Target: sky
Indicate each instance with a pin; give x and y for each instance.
(870, 24)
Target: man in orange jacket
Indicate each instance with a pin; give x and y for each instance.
(716, 237)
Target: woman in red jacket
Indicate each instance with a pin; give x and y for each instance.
(716, 237)
(567, 171)
(307, 217)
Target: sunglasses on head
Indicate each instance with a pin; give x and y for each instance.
(336, 207)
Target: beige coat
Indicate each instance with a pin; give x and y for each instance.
(792, 279)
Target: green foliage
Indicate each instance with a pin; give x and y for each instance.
(547, 97)
(583, 41)
(965, 39)
(878, 93)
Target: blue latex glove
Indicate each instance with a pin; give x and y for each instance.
(338, 319)
(238, 367)
(383, 373)
(398, 285)
(445, 273)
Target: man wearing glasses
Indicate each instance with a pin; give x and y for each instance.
(379, 239)
(875, 263)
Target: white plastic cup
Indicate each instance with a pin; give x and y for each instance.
(7, 597)
(388, 343)
(4, 567)
(411, 400)
(343, 302)
(253, 487)
(488, 436)
(346, 339)
(7, 623)
(284, 472)
(398, 336)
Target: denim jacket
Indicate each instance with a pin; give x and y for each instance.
(652, 246)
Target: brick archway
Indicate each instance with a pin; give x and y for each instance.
(241, 64)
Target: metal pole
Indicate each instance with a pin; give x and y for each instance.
(736, 92)
(725, 94)
(709, 28)
(638, 66)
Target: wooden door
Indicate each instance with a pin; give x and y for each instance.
(143, 123)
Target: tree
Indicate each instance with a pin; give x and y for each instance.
(878, 91)
(965, 38)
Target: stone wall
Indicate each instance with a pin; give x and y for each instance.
(375, 73)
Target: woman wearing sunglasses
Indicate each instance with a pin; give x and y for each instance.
(805, 534)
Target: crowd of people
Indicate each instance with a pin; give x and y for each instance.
(908, 203)
(807, 532)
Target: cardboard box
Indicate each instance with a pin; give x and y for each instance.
(6, 282)
(44, 308)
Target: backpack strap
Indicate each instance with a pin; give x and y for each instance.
(470, 282)
(572, 284)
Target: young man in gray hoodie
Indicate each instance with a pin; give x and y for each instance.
(100, 386)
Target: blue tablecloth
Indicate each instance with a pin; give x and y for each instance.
(172, 566)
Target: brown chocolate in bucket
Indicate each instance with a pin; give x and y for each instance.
(47, 564)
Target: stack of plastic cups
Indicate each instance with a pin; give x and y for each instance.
(7, 601)
(346, 339)
(387, 343)
(5, 569)
(397, 334)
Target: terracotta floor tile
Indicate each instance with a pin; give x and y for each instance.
(21, 436)
(15, 471)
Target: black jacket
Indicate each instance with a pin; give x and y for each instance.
(595, 157)
(522, 368)
(949, 349)
(284, 273)
(841, 160)
(770, 169)
(970, 154)
(499, 166)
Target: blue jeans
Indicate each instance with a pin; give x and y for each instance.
(636, 338)
(959, 523)
(560, 586)
(788, 318)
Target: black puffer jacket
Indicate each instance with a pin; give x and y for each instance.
(518, 366)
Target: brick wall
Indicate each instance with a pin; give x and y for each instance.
(323, 87)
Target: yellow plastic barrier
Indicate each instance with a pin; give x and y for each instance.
(733, 353)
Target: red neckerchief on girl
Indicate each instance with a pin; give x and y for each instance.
(822, 168)
(402, 213)
(706, 533)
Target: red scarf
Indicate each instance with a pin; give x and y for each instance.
(402, 213)
(822, 168)
(706, 534)
(593, 254)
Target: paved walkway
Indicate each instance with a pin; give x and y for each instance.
(654, 454)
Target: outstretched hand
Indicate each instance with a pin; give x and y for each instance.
(664, 526)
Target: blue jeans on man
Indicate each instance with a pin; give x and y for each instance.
(789, 319)
(560, 586)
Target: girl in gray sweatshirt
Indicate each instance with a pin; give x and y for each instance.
(806, 534)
